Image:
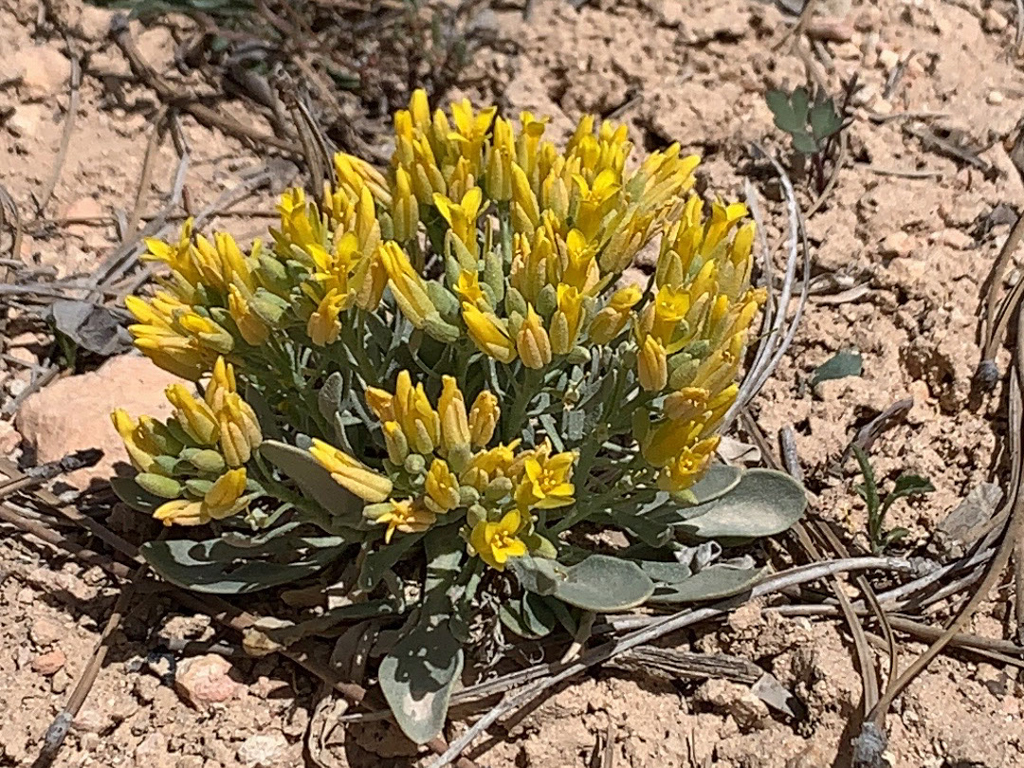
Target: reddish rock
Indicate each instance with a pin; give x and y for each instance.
(74, 413)
(205, 680)
(48, 663)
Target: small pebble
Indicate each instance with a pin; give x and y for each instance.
(888, 59)
(995, 97)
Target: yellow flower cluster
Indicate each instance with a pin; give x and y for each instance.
(208, 440)
(691, 337)
(486, 237)
(438, 464)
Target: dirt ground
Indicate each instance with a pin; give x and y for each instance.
(901, 248)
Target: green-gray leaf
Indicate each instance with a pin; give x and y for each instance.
(315, 482)
(417, 677)
(764, 503)
(713, 583)
(839, 366)
(216, 567)
(528, 616)
(804, 143)
(604, 583)
(132, 494)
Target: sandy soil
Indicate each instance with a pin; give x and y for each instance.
(694, 71)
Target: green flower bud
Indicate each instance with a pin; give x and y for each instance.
(458, 457)
(475, 514)
(438, 329)
(444, 300)
(540, 546)
(547, 301)
(206, 460)
(415, 464)
(514, 302)
(684, 372)
(159, 485)
(197, 487)
(273, 274)
(578, 355)
(268, 307)
(468, 495)
(494, 276)
(498, 489)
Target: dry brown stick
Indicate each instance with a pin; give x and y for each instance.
(865, 658)
(9, 515)
(65, 139)
(994, 333)
(148, 161)
(58, 729)
(659, 627)
(122, 37)
(962, 640)
(801, 23)
(869, 595)
(7, 203)
(1012, 533)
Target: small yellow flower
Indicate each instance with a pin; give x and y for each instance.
(689, 466)
(141, 450)
(532, 343)
(406, 516)
(195, 416)
(253, 330)
(565, 325)
(406, 284)
(461, 217)
(351, 474)
(546, 482)
(395, 441)
(652, 365)
(442, 487)
(483, 418)
(381, 403)
(496, 542)
(468, 288)
(489, 334)
(610, 321)
(323, 326)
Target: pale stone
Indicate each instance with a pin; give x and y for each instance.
(888, 58)
(45, 631)
(205, 680)
(262, 750)
(73, 413)
(45, 71)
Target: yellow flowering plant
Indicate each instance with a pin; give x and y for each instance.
(435, 381)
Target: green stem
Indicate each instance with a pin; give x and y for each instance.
(513, 425)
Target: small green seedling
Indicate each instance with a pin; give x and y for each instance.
(813, 124)
(905, 486)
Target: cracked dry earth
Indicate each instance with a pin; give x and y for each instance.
(899, 263)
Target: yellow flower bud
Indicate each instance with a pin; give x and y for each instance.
(351, 474)
(405, 210)
(395, 442)
(652, 365)
(221, 499)
(140, 450)
(533, 343)
(195, 416)
(488, 333)
(483, 418)
(451, 409)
